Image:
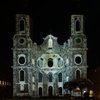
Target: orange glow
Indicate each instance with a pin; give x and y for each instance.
(0, 82)
(91, 93)
(4, 83)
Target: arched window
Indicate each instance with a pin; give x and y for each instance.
(77, 25)
(60, 77)
(40, 77)
(50, 77)
(22, 75)
(22, 25)
(77, 74)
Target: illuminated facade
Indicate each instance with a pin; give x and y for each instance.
(41, 70)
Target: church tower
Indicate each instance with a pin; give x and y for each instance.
(77, 48)
(22, 45)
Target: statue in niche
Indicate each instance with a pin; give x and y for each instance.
(50, 42)
(33, 62)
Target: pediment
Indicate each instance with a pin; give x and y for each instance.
(50, 36)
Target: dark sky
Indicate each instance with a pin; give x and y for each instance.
(48, 16)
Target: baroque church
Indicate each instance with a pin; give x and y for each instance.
(42, 70)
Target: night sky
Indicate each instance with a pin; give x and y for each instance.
(48, 17)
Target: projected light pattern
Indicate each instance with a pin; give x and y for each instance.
(42, 70)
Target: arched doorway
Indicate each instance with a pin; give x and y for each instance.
(40, 91)
(60, 90)
(50, 89)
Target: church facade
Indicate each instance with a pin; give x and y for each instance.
(41, 70)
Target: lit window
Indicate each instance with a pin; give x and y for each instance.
(2, 82)
(91, 93)
(5, 83)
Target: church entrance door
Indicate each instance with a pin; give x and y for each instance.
(50, 89)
